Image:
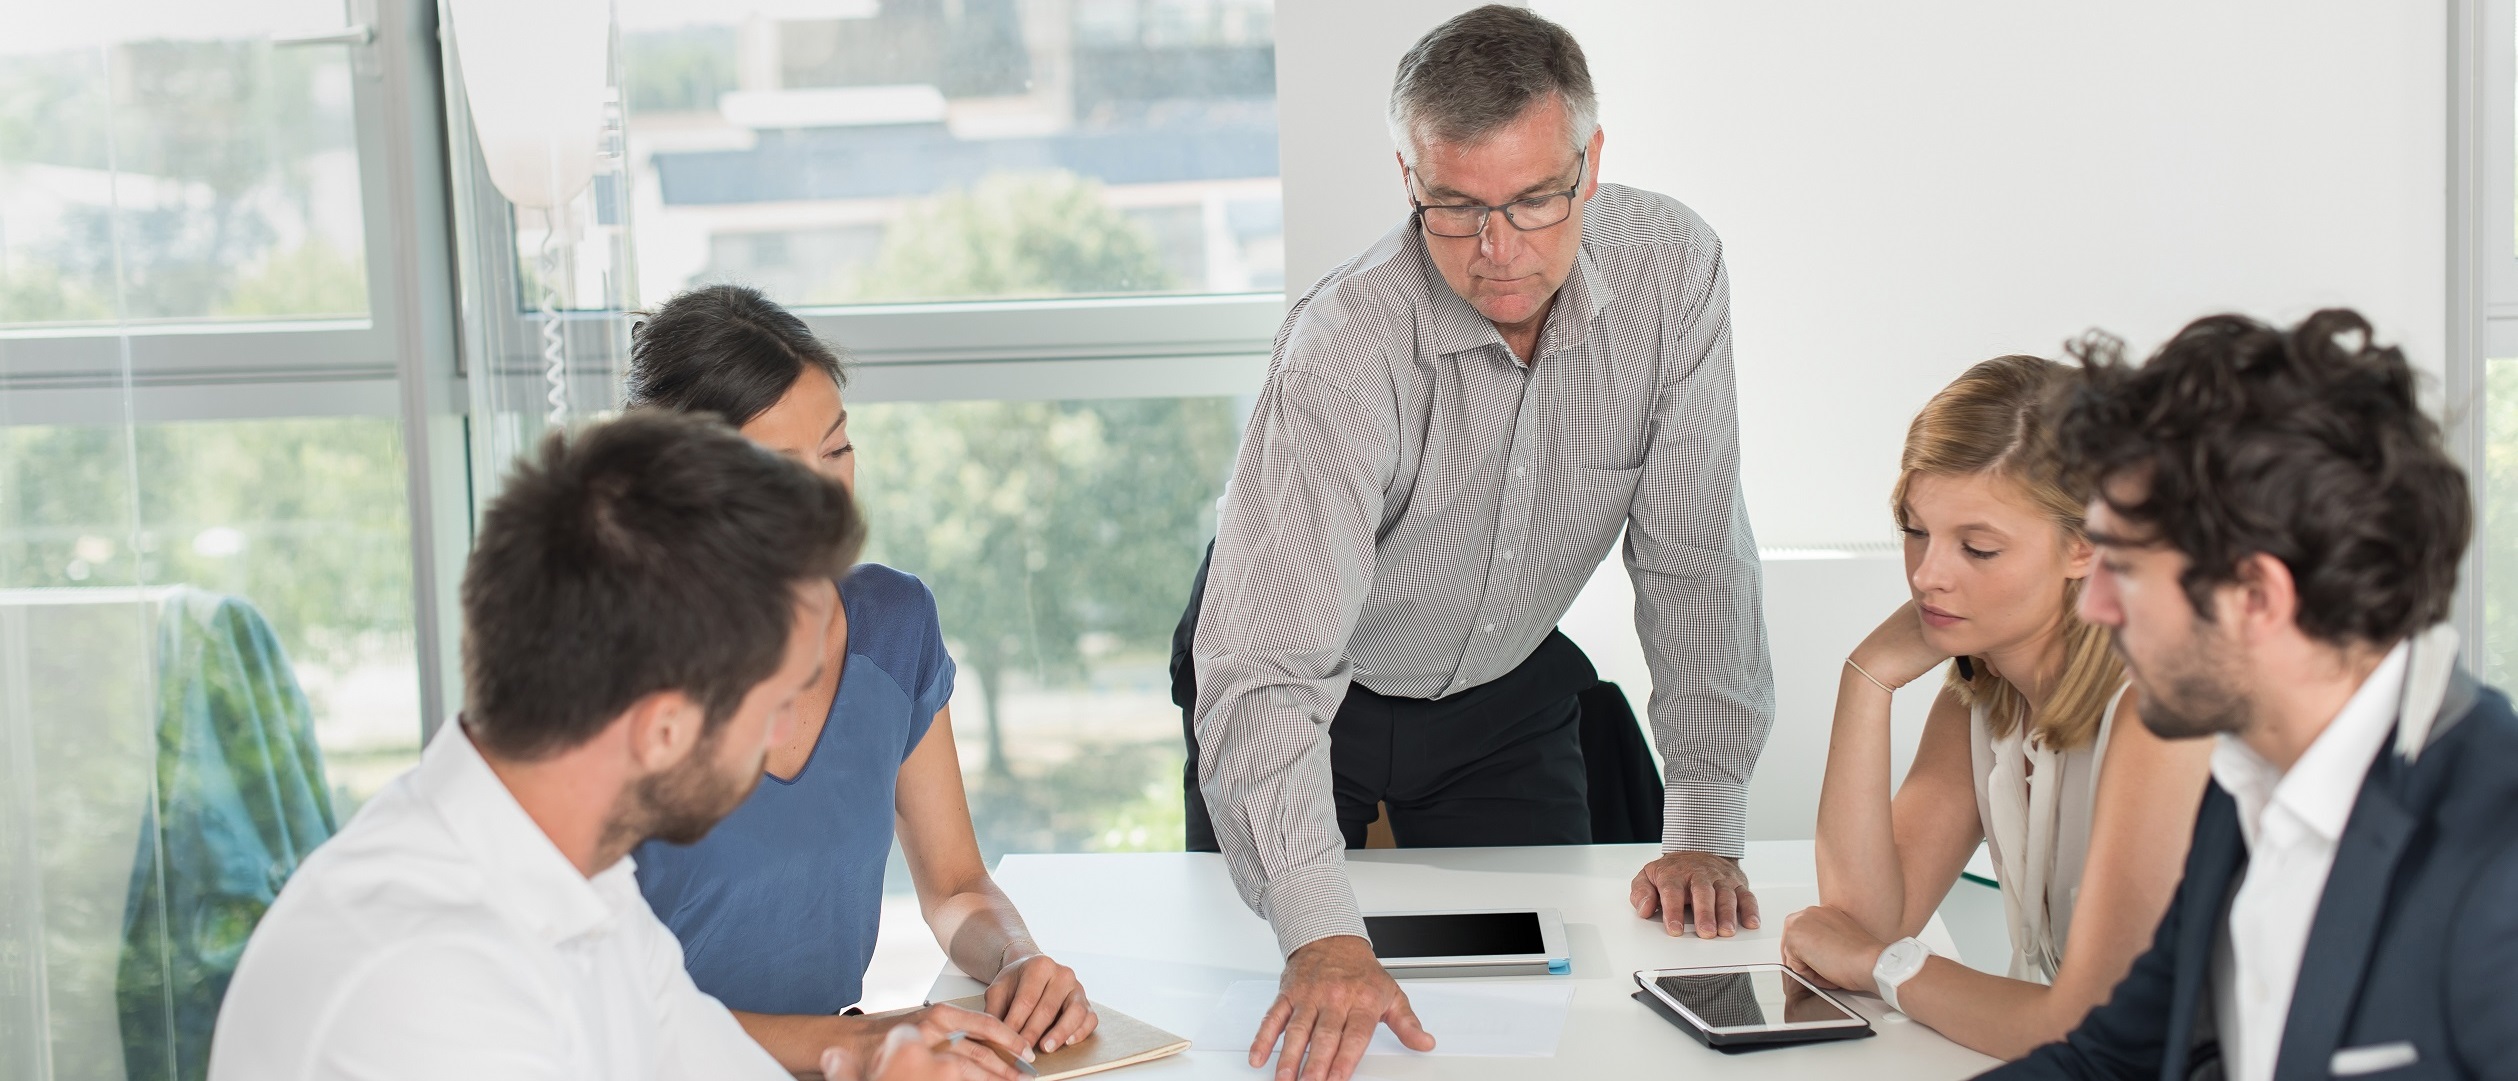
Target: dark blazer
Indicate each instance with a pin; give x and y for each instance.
(2415, 939)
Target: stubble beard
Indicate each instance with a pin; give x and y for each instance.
(681, 805)
(2190, 699)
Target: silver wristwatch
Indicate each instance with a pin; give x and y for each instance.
(1898, 964)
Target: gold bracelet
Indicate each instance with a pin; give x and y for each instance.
(1875, 680)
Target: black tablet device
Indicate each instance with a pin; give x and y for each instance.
(1749, 1005)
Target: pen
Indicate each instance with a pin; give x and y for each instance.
(1020, 1066)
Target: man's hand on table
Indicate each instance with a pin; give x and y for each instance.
(1711, 887)
(909, 1046)
(1333, 994)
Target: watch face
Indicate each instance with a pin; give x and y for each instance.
(1902, 958)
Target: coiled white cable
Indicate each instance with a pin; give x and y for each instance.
(554, 359)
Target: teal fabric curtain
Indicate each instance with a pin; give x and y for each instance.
(241, 801)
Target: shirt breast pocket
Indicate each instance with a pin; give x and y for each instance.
(1589, 506)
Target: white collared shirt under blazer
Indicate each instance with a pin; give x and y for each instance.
(2291, 822)
(1414, 508)
(443, 936)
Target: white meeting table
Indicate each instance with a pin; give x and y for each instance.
(1161, 935)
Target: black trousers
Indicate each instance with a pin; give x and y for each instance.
(1497, 764)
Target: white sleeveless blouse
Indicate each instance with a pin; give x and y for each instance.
(2035, 804)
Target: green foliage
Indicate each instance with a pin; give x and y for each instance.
(1114, 797)
(2497, 499)
(679, 70)
(1040, 523)
(34, 292)
(321, 536)
(53, 110)
(1014, 234)
(312, 279)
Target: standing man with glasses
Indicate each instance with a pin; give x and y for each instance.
(1456, 426)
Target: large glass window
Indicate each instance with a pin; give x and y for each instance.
(172, 163)
(208, 656)
(1059, 538)
(916, 150)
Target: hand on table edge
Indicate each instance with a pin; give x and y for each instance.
(1334, 993)
(1678, 884)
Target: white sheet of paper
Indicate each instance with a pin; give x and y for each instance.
(1490, 1020)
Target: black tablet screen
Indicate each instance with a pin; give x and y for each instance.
(1456, 934)
(1750, 999)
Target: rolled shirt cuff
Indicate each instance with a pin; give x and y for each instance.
(1705, 816)
(1310, 903)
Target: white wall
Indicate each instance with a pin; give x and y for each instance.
(1904, 189)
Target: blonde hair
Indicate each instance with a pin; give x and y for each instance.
(1992, 422)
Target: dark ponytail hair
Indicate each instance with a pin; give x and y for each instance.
(722, 349)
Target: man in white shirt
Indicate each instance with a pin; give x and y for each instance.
(644, 605)
(2278, 530)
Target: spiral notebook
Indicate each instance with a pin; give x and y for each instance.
(1119, 1041)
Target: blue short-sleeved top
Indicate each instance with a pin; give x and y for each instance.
(777, 907)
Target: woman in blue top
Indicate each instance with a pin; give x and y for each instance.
(777, 907)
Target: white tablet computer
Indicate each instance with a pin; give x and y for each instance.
(1739, 1005)
(1470, 942)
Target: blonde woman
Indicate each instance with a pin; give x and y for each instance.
(2032, 745)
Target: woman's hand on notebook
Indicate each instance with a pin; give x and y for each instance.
(1043, 1001)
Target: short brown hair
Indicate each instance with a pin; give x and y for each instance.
(2305, 444)
(651, 553)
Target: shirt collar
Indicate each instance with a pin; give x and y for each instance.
(2320, 788)
(524, 875)
(1458, 328)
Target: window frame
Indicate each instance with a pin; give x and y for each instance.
(2482, 250)
(1101, 347)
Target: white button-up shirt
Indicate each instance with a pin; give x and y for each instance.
(2291, 823)
(442, 935)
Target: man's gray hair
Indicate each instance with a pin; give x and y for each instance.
(1471, 76)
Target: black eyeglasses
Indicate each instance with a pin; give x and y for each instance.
(1533, 213)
